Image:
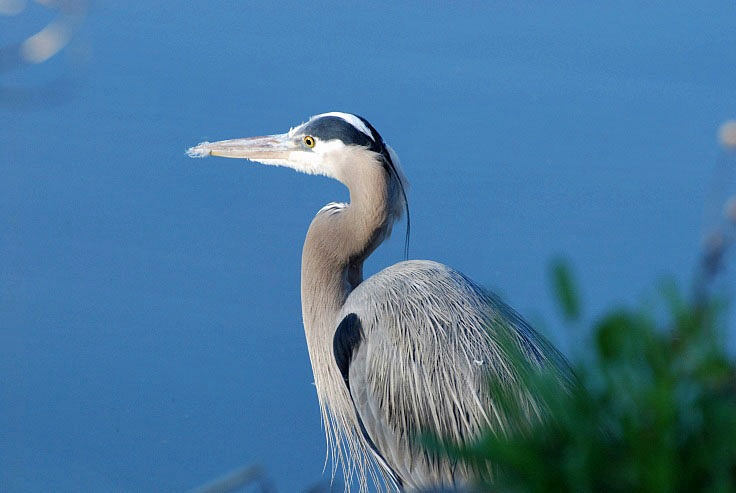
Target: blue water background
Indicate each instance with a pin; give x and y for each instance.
(150, 324)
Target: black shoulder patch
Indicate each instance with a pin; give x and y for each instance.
(348, 336)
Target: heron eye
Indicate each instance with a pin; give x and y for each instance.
(309, 141)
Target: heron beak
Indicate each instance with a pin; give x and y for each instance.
(268, 149)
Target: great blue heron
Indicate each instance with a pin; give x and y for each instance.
(409, 350)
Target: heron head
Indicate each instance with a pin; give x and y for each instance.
(342, 146)
(330, 144)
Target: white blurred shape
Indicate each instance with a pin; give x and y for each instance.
(727, 135)
(46, 43)
(12, 7)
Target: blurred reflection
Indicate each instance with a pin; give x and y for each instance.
(720, 213)
(237, 480)
(24, 55)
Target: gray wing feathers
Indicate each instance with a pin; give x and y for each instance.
(368, 411)
(431, 342)
(350, 361)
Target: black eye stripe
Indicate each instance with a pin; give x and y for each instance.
(333, 127)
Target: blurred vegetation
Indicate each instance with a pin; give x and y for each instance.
(654, 411)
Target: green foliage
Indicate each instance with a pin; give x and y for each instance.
(566, 290)
(654, 409)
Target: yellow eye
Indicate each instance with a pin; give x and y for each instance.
(309, 141)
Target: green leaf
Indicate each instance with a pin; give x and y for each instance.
(565, 290)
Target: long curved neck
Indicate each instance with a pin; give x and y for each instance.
(338, 242)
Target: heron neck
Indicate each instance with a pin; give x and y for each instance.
(338, 242)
